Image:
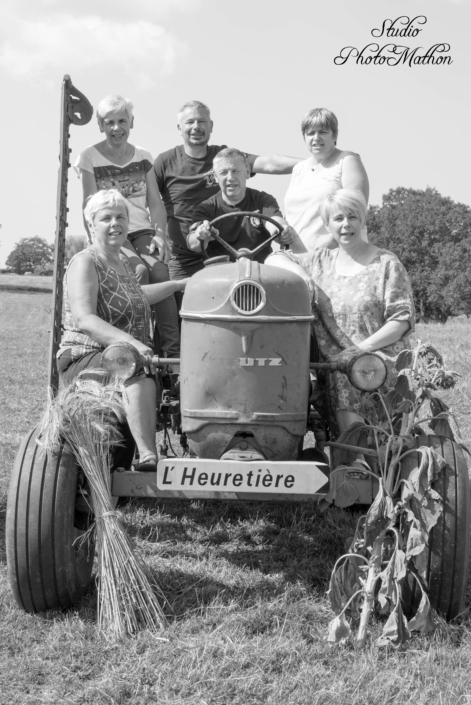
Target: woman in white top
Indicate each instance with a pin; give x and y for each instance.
(314, 179)
(115, 163)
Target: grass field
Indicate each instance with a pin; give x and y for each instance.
(246, 585)
(15, 282)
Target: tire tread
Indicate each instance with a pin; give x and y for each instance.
(45, 569)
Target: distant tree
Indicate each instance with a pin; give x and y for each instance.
(431, 235)
(74, 244)
(29, 253)
(449, 291)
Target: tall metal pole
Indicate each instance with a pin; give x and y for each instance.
(75, 110)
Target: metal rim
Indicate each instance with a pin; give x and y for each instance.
(354, 361)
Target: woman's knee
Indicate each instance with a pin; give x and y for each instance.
(142, 274)
(143, 388)
(149, 267)
(158, 271)
(346, 417)
(138, 265)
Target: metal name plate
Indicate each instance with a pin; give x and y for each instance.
(235, 476)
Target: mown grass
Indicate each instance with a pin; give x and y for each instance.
(26, 283)
(245, 582)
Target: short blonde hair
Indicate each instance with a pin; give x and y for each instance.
(113, 104)
(352, 200)
(107, 198)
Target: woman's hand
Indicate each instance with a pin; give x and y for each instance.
(144, 350)
(346, 354)
(160, 244)
(146, 354)
(388, 334)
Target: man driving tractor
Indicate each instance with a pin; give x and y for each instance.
(231, 170)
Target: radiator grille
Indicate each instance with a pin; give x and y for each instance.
(248, 298)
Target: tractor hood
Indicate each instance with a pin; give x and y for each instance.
(247, 290)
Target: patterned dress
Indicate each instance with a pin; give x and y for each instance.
(121, 303)
(348, 309)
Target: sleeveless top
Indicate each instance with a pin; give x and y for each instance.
(309, 187)
(121, 303)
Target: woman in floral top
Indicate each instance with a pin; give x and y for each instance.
(362, 299)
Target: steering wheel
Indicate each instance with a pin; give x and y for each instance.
(244, 251)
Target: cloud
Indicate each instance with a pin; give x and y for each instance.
(36, 48)
(144, 9)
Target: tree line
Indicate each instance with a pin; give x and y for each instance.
(34, 255)
(430, 233)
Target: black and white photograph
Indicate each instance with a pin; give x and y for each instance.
(235, 314)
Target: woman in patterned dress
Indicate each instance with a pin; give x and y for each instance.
(362, 299)
(105, 304)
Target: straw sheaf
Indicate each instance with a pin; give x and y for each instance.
(84, 416)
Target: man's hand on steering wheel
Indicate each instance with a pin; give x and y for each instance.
(204, 232)
(288, 236)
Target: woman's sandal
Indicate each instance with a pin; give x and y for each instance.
(147, 464)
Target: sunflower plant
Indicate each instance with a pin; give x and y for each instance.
(387, 554)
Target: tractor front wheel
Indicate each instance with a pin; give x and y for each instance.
(49, 552)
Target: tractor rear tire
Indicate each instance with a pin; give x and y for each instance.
(50, 559)
(449, 540)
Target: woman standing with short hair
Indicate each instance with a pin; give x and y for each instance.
(314, 179)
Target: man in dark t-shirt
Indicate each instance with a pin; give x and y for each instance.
(185, 179)
(231, 170)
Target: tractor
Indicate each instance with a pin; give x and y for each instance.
(243, 412)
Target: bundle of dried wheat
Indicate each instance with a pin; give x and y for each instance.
(84, 415)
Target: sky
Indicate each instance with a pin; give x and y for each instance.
(259, 64)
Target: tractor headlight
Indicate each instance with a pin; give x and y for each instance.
(121, 360)
(367, 372)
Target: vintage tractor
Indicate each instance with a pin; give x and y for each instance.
(243, 414)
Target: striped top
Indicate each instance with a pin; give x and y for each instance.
(121, 303)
